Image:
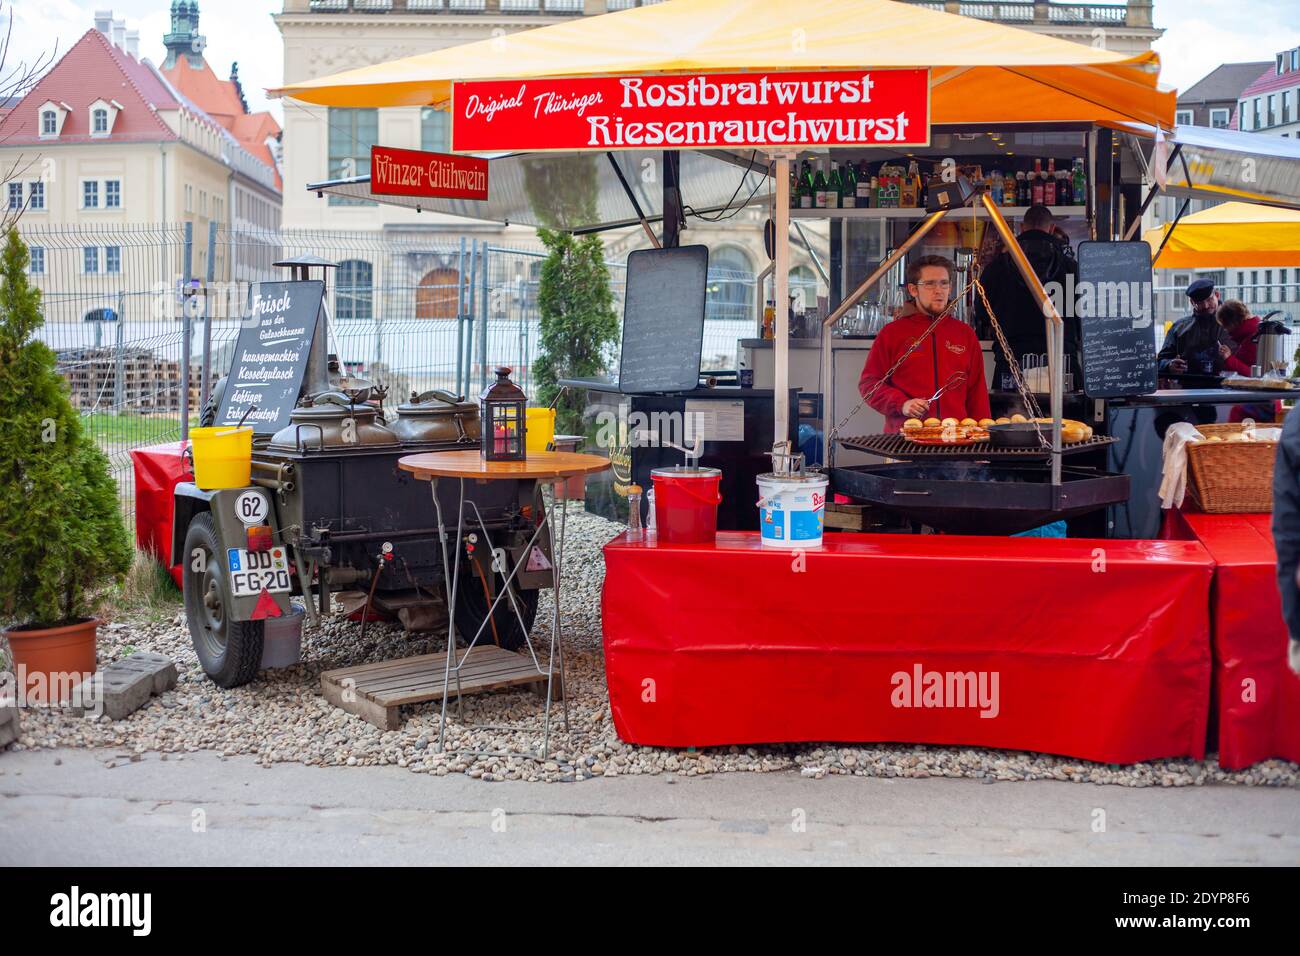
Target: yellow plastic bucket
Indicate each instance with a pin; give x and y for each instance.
(223, 457)
(541, 429)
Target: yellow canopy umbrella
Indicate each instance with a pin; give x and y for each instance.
(1236, 234)
(982, 72)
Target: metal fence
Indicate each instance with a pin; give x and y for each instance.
(144, 317)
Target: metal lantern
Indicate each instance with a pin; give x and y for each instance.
(504, 419)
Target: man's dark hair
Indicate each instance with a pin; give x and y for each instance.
(916, 265)
(1232, 313)
(1039, 217)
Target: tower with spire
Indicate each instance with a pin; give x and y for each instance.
(184, 40)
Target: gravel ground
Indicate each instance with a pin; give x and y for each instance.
(282, 716)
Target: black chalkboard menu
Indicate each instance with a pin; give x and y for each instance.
(663, 319)
(1118, 337)
(271, 354)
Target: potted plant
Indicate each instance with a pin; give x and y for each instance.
(61, 528)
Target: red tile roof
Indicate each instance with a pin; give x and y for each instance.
(1271, 81)
(94, 69)
(220, 99)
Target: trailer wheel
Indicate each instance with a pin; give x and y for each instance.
(230, 651)
(472, 610)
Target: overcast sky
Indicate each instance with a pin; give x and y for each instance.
(1199, 34)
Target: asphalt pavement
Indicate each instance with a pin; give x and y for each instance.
(67, 807)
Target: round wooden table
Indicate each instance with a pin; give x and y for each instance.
(547, 468)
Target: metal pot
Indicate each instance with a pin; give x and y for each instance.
(1271, 344)
(331, 427)
(437, 416)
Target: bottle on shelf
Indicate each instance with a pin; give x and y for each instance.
(1064, 195)
(820, 190)
(863, 179)
(849, 180)
(996, 185)
(1022, 189)
(834, 187)
(769, 319)
(805, 189)
(1079, 186)
(1036, 184)
(1049, 184)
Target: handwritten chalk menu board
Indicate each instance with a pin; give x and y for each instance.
(271, 355)
(663, 319)
(1118, 336)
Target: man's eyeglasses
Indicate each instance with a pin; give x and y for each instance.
(936, 284)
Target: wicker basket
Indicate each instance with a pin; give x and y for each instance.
(1230, 477)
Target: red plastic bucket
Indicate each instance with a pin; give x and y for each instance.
(686, 503)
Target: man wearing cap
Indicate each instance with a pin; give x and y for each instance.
(1192, 343)
(1192, 347)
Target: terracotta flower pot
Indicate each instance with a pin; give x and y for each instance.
(57, 657)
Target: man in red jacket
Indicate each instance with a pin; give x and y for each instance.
(952, 347)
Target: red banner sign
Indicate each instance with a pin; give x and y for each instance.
(410, 172)
(847, 108)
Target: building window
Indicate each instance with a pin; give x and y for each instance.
(1272, 110)
(1286, 106)
(90, 260)
(99, 122)
(36, 194)
(189, 198)
(354, 290)
(90, 194)
(1183, 118)
(730, 284)
(37, 265)
(1219, 119)
(435, 130)
(1241, 115)
(1256, 124)
(49, 123)
(351, 134)
(113, 259)
(112, 194)
(15, 195)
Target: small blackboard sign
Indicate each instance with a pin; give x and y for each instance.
(663, 319)
(1118, 336)
(271, 354)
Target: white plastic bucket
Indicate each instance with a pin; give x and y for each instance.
(791, 510)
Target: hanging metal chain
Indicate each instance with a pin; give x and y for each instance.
(1031, 403)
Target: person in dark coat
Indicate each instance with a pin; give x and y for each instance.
(1048, 250)
(1194, 345)
(1286, 530)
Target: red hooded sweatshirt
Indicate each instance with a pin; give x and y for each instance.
(952, 348)
(1243, 355)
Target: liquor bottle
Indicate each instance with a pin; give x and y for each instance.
(1079, 186)
(805, 186)
(1009, 197)
(875, 192)
(820, 188)
(849, 180)
(1049, 184)
(863, 180)
(834, 187)
(1064, 196)
(1036, 198)
(769, 319)
(1022, 189)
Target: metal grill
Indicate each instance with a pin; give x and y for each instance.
(896, 446)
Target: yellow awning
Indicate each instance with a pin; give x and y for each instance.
(1234, 234)
(982, 72)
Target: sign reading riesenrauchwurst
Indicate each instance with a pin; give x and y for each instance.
(271, 355)
(750, 110)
